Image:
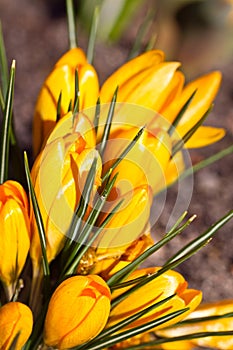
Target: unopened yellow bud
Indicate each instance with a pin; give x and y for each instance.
(62, 80)
(16, 322)
(78, 310)
(15, 232)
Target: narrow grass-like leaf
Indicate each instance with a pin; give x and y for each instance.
(89, 224)
(117, 338)
(180, 114)
(2, 102)
(76, 261)
(76, 93)
(58, 116)
(141, 34)
(80, 211)
(123, 154)
(206, 162)
(108, 123)
(154, 344)
(69, 109)
(38, 218)
(92, 37)
(3, 65)
(175, 260)
(14, 342)
(71, 24)
(125, 271)
(127, 321)
(6, 128)
(204, 319)
(97, 115)
(202, 239)
(179, 145)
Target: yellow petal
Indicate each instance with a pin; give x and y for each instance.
(15, 319)
(222, 324)
(128, 71)
(62, 79)
(145, 163)
(204, 136)
(15, 240)
(206, 88)
(161, 287)
(128, 223)
(78, 310)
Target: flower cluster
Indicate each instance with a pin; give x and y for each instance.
(71, 250)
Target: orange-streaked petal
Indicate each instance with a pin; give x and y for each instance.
(204, 136)
(15, 320)
(84, 303)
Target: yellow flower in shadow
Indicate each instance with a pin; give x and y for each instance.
(16, 322)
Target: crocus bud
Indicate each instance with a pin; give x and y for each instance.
(154, 291)
(78, 310)
(64, 165)
(16, 322)
(216, 308)
(15, 233)
(62, 80)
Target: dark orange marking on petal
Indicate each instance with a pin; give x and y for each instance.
(103, 290)
(88, 292)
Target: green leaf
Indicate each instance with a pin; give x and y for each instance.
(71, 24)
(125, 271)
(123, 154)
(201, 240)
(76, 96)
(92, 37)
(175, 260)
(97, 115)
(204, 319)
(80, 211)
(3, 65)
(141, 34)
(117, 338)
(108, 123)
(76, 261)
(179, 145)
(88, 227)
(179, 338)
(38, 218)
(6, 128)
(127, 321)
(180, 114)
(59, 107)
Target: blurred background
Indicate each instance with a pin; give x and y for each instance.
(197, 33)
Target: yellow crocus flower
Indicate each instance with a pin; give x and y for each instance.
(78, 310)
(216, 308)
(154, 291)
(62, 80)
(59, 175)
(15, 233)
(158, 85)
(16, 320)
